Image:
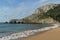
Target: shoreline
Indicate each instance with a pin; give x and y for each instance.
(53, 34)
(24, 38)
(39, 33)
(28, 33)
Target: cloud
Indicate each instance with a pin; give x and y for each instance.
(42, 0)
(22, 10)
(40, 3)
(10, 1)
(8, 13)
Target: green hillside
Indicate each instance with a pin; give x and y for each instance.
(46, 14)
(53, 13)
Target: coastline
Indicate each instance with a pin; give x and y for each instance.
(53, 34)
(26, 34)
(44, 35)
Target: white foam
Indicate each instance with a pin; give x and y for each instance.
(27, 33)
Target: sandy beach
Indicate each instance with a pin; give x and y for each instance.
(53, 34)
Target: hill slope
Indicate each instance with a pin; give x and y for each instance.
(45, 14)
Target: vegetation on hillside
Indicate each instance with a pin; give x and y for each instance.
(52, 13)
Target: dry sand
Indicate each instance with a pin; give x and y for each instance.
(53, 34)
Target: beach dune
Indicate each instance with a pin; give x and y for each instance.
(53, 34)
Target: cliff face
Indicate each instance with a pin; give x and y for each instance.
(42, 15)
(43, 9)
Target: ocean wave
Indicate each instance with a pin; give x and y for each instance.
(27, 33)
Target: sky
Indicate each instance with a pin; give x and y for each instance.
(17, 9)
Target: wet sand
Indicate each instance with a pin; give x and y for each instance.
(53, 34)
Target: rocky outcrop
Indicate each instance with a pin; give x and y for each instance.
(41, 10)
(45, 8)
(36, 16)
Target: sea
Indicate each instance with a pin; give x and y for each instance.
(14, 31)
